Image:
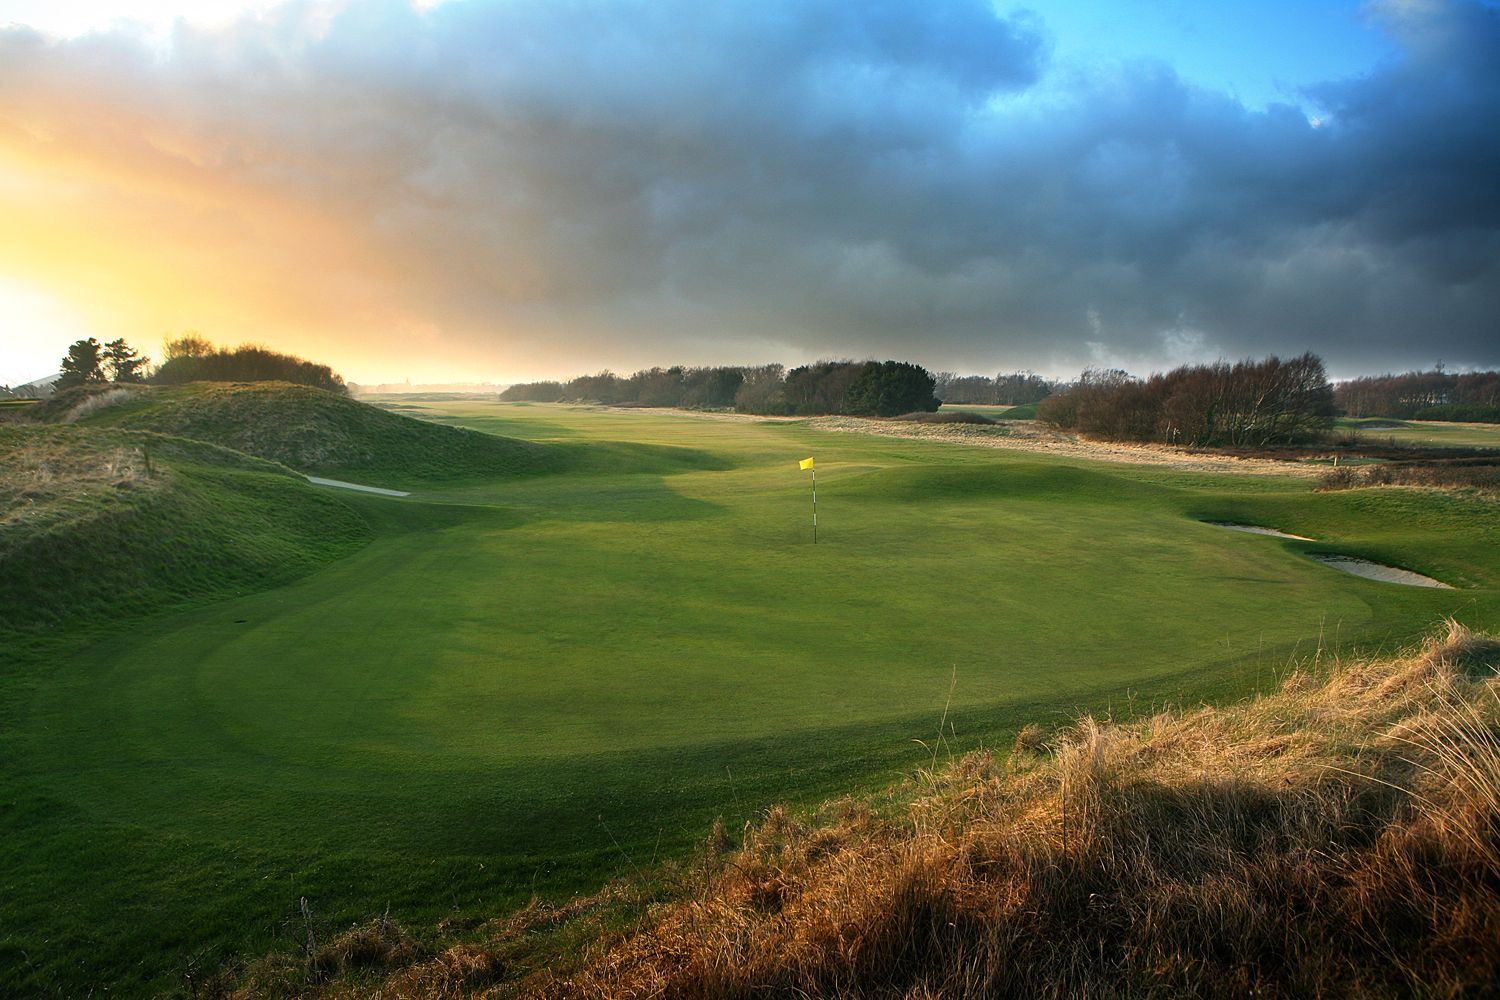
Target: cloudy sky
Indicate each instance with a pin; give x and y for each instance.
(472, 190)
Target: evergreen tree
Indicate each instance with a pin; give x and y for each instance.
(81, 365)
(891, 388)
(124, 362)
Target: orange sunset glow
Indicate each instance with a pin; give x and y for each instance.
(502, 191)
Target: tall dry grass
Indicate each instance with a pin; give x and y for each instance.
(1338, 838)
(46, 475)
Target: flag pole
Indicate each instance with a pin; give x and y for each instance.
(806, 465)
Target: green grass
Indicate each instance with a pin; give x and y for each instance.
(528, 683)
(1427, 433)
(1026, 411)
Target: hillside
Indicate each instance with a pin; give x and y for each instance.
(1334, 838)
(314, 431)
(96, 525)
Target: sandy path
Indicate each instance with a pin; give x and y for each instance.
(317, 480)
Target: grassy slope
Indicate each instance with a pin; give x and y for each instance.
(311, 430)
(521, 684)
(1427, 433)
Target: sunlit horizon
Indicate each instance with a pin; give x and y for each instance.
(473, 191)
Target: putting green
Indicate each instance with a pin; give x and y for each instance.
(527, 685)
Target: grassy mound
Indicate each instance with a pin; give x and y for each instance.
(1026, 411)
(312, 430)
(96, 525)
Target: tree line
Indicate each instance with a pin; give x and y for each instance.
(190, 358)
(856, 388)
(1014, 389)
(1430, 395)
(1245, 404)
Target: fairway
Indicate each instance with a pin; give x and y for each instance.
(1423, 433)
(525, 685)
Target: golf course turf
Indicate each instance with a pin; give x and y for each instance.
(524, 684)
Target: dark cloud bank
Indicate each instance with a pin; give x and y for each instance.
(667, 180)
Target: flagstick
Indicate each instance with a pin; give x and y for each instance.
(815, 505)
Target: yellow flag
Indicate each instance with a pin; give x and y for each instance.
(805, 464)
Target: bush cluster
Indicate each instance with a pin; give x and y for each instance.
(193, 359)
(1246, 404)
(1014, 389)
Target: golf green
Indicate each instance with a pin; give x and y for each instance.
(528, 684)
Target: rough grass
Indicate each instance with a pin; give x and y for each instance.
(946, 417)
(97, 526)
(312, 430)
(1335, 838)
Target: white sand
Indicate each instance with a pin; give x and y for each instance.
(1375, 571)
(1256, 529)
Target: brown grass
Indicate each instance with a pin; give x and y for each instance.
(48, 476)
(1339, 837)
(1033, 436)
(947, 417)
(1479, 475)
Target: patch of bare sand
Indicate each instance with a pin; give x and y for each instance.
(1032, 436)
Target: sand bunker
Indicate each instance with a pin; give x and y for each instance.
(1375, 571)
(1256, 529)
(1349, 564)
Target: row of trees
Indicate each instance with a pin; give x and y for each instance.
(88, 361)
(704, 388)
(1014, 389)
(189, 358)
(1246, 404)
(1433, 394)
(869, 388)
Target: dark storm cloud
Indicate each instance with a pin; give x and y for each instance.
(680, 180)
